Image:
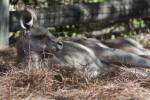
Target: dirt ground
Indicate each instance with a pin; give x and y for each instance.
(58, 84)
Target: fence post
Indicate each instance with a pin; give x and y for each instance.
(4, 22)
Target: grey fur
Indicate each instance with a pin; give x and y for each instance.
(89, 56)
(34, 40)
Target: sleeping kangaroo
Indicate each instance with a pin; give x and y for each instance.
(88, 56)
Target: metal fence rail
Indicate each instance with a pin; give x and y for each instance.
(86, 13)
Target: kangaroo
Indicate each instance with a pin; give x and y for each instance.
(34, 39)
(88, 56)
(128, 45)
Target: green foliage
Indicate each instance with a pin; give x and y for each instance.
(11, 7)
(52, 29)
(134, 24)
(113, 37)
(66, 34)
(18, 32)
(137, 22)
(74, 34)
(97, 1)
(127, 29)
(125, 35)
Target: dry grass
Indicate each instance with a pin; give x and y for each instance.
(59, 84)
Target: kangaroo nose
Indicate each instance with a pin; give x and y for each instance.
(59, 45)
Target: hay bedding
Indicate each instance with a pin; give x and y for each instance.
(58, 84)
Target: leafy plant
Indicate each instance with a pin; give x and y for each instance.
(11, 7)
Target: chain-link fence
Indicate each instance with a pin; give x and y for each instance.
(86, 16)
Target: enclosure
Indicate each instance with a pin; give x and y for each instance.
(99, 19)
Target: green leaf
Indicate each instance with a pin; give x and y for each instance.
(66, 34)
(113, 37)
(74, 34)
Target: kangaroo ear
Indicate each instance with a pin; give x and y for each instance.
(32, 11)
(26, 20)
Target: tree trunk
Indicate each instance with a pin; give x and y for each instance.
(4, 22)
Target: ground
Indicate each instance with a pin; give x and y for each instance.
(59, 84)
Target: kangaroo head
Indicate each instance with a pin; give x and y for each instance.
(40, 38)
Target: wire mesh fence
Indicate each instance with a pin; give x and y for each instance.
(84, 15)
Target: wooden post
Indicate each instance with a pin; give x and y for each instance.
(4, 22)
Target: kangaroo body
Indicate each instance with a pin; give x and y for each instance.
(93, 58)
(88, 56)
